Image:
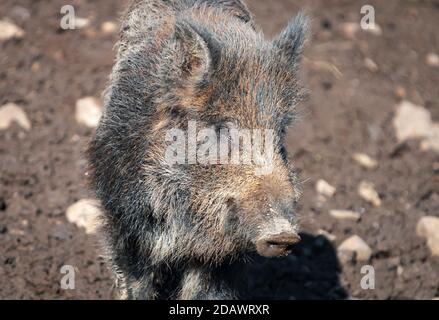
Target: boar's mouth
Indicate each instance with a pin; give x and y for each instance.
(277, 245)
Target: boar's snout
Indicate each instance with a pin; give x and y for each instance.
(277, 245)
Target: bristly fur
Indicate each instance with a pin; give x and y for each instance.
(170, 230)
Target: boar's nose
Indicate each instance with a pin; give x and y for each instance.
(277, 245)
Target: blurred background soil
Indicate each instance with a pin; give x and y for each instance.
(357, 81)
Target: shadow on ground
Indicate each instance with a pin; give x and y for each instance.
(311, 271)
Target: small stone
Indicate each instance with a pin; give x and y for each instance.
(81, 22)
(367, 191)
(320, 200)
(370, 65)
(399, 270)
(16, 232)
(428, 227)
(365, 161)
(58, 55)
(9, 113)
(375, 29)
(35, 67)
(75, 138)
(393, 262)
(91, 33)
(411, 121)
(324, 188)
(345, 215)
(432, 141)
(400, 92)
(350, 29)
(432, 59)
(356, 245)
(88, 111)
(326, 234)
(8, 30)
(84, 214)
(346, 257)
(108, 27)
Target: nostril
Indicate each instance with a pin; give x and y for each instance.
(283, 239)
(277, 245)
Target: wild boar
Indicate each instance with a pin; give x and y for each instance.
(170, 229)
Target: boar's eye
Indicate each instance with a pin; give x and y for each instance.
(231, 203)
(222, 124)
(176, 113)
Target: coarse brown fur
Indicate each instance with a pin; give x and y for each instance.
(171, 229)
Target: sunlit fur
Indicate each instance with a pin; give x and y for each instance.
(170, 230)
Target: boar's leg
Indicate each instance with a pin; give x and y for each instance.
(156, 282)
(143, 288)
(200, 283)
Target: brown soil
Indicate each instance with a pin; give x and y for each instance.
(43, 171)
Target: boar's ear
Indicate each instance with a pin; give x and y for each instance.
(189, 66)
(193, 55)
(291, 40)
(236, 8)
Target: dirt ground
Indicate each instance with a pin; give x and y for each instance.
(350, 109)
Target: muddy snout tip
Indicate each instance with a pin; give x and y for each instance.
(277, 245)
